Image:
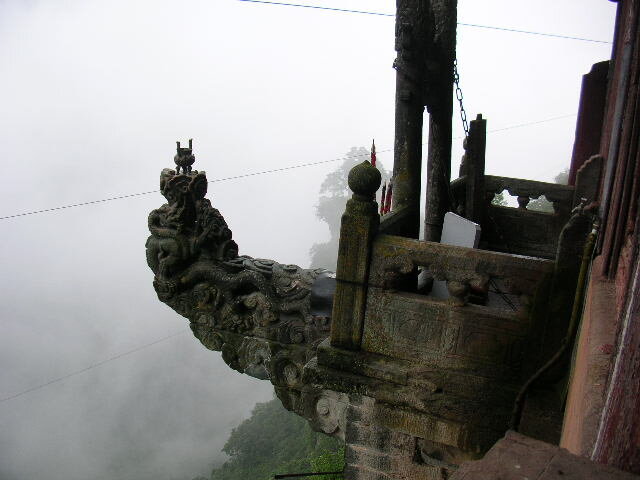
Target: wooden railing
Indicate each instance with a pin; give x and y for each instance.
(519, 230)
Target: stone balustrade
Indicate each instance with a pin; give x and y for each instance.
(560, 196)
(458, 332)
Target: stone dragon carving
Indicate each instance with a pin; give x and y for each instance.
(256, 312)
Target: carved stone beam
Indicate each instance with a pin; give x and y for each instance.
(256, 311)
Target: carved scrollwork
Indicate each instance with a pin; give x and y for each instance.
(199, 274)
(286, 370)
(254, 357)
(210, 339)
(330, 411)
(256, 312)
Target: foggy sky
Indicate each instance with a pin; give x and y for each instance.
(93, 95)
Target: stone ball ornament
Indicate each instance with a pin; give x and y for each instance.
(364, 179)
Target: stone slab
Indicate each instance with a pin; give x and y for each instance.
(517, 457)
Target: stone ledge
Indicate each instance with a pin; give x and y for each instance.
(361, 472)
(363, 363)
(516, 457)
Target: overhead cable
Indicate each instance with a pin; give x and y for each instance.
(90, 367)
(472, 25)
(225, 179)
(253, 174)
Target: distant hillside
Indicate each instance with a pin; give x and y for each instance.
(274, 440)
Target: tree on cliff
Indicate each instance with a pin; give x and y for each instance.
(334, 193)
(274, 441)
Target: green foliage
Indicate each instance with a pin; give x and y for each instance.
(274, 441)
(334, 193)
(328, 462)
(541, 204)
(499, 200)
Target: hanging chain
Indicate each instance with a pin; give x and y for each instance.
(463, 114)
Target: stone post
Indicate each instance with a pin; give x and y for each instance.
(359, 226)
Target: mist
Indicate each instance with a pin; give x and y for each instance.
(93, 95)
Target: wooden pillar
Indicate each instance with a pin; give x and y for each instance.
(359, 225)
(475, 202)
(425, 45)
(412, 32)
(441, 53)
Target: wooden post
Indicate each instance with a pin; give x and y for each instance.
(593, 97)
(359, 225)
(474, 186)
(441, 53)
(412, 33)
(425, 42)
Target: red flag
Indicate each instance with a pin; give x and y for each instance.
(373, 153)
(384, 189)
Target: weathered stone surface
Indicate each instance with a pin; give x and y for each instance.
(588, 180)
(517, 457)
(359, 225)
(434, 333)
(363, 363)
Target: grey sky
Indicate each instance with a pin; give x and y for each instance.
(93, 95)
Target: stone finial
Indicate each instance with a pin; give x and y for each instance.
(364, 180)
(184, 157)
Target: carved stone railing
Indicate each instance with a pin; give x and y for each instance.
(482, 325)
(443, 370)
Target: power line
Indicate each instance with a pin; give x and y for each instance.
(90, 367)
(318, 7)
(225, 179)
(44, 210)
(253, 174)
(528, 124)
(472, 25)
(527, 32)
(292, 167)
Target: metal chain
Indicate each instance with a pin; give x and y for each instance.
(463, 113)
